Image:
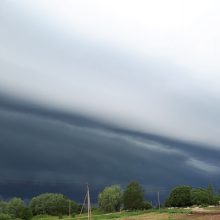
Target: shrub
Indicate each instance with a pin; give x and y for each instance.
(27, 214)
(15, 207)
(147, 205)
(180, 196)
(200, 196)
(52, 204)
(5, 216)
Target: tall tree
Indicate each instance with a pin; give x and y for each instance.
(210, 194)
(133, 197)
(110, 198)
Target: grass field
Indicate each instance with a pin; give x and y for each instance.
(153, 214)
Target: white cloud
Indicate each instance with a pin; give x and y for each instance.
(185, 32)
(203, 166)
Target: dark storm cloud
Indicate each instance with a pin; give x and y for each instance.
(60, 62)
(47, 150)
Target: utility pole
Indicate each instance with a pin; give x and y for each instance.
(69, 208)
(89, 204)
(87, 197)
(158, 198)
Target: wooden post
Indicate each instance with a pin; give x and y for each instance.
(69, 208)
(89, 204)
(158, 198)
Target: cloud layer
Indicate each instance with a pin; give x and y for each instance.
(45, 148)
(46, 59)
(109, 92)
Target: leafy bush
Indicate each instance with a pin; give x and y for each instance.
(147, 205)
(15, 207)
(180, 196)
(200, 196)
(3, 207)
(27, 214)
(52, 204)
(5, 216)
(216, 200)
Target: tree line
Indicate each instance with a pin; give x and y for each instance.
(110, 199)
(182, 196)
(44, 204)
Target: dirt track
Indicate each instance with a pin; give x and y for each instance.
(199, 217)
(203, 214)
(197, 214)
(176, 217)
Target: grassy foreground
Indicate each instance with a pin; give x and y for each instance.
(162, 214)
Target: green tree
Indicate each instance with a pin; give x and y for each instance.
(15, 207)
(52, 204)
(210, 194)
(4, 216)
(133, 197)
(216, 200)
(26, 214)
(200, 196)
(110, 198)
(3, 207)
(180, 196)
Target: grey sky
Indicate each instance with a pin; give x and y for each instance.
(47, 150)
(150, 67)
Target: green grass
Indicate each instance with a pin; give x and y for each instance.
(95, 216)
(98, 215)
(45, 217)
(175, 211)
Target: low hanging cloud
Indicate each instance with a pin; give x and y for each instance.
(108, 93)
(46, 148)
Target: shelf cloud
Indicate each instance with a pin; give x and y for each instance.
(108, 92)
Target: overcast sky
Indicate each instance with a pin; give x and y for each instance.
(144, 67)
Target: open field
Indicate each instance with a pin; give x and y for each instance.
(163, 214)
